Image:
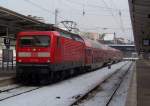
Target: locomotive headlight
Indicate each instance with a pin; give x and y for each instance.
(19, 60)
(43, 54)
(24, 54)
(48, 60)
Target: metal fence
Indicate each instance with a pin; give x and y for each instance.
(7, 66)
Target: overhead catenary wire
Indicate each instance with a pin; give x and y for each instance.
(111, 13)
(121, 21)
(104, 28)
(111, 10)
(95, 6)
(112, 2)
(84, 8)
(92, 13)
(120, 15)
(42, 8)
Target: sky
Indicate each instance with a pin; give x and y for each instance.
(102, 16)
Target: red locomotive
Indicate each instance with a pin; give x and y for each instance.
(51, 55)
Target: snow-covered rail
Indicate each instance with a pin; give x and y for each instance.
(14, 90)
(125, 69)
(107, 93)
(118, 86)
(63, 93)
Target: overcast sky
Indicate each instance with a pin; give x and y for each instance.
(100, 15)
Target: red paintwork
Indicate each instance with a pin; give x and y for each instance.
(69, 50)
(33, 58)
(64, 50)
(100, 53)
(88, 52)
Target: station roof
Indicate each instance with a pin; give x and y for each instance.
(16, 22)
(140, 16)
(13, 22)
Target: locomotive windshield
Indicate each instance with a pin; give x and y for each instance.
(36, 40)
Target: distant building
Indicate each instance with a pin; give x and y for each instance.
(120, 41)
(106, 38)
(123, 41)
(109, 38)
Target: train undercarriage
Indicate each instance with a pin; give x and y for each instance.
(43, 74)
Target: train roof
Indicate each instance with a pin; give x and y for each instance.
(65, 34)
(95, 44)
(35, 32)
(86, 41)
(92, 43)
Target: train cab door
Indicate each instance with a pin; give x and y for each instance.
(58, 50)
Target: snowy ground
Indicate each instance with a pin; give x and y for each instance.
(103, 93)
(120, 97)
(63, 93)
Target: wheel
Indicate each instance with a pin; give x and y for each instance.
(71, 72)
(51, 77)
(56, 76)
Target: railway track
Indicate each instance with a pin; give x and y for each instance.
(15, 90)
(9, 87)
(118, 86)
(111, 96)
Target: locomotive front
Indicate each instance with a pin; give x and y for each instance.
(33, 53)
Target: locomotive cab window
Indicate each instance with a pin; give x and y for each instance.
(77, 38)
(36, 40)
(66, 35)
(26, 41)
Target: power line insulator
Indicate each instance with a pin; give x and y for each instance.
(83, 13)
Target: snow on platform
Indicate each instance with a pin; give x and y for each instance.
(63, 93)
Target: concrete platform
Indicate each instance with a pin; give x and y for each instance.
(143, 82)
(132, 91)
(7, 76)
(139, 92)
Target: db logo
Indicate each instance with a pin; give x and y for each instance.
(34, 54)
